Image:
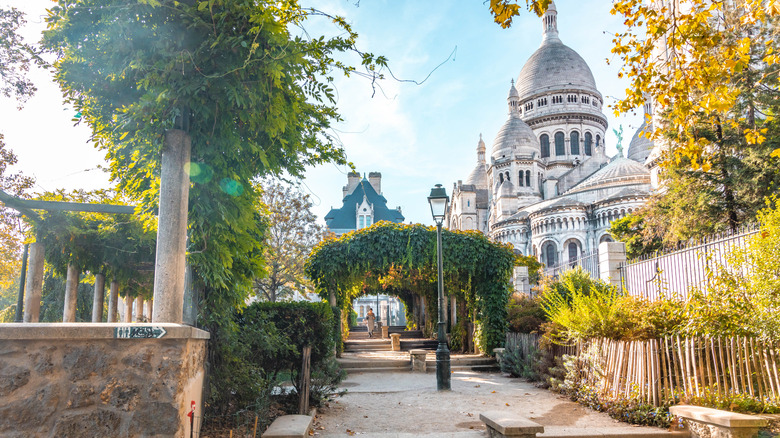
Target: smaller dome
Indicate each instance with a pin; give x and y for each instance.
(514, 137)
(640, 146)
(478, 177)
(621, 171)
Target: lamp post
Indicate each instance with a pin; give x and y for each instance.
(438, 200)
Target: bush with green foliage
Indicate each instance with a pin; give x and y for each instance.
(525, 315)
(265, 352)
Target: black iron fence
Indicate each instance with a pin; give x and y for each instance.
(675, 273)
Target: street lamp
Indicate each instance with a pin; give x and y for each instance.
(438, 200)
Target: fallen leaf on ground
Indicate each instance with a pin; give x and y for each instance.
(477, 386)
(350, 432)
(506, 404)
(492, 392)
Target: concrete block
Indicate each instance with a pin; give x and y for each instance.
(708, 422)
(507, 424)
(289, 426)
(395, 341)
(418, 360)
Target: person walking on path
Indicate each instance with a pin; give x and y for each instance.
(370, 318)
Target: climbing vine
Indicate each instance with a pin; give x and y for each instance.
(402, 260)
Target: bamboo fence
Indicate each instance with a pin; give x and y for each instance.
(658, 371)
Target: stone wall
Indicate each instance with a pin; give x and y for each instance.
(85, 380)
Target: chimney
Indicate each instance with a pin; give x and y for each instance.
(353, 179)
(375, 178)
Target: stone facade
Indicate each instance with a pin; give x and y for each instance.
(78, 380)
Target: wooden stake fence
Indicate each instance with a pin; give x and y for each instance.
(658, 371)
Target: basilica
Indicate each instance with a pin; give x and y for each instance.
(546, 186)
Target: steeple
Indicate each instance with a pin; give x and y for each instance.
(513, 101)
(481, 150)
(550, 23)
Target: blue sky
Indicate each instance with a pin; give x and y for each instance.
(416, 135)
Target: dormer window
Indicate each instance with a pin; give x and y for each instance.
(557, 99)
(585, 99)
(572, 98)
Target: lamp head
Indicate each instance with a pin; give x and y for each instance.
(438, 200)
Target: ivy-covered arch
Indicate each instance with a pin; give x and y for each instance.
(401, 259)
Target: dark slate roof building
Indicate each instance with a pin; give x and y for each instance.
(363, 205)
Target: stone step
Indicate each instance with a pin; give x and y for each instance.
(431, 368)
(464, 361)
(373, 363)
(406, 368)
(419, 344)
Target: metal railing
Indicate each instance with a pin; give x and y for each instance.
(674, 274)
(589, 262)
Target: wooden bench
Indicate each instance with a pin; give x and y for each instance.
(289, 426)
(708, 422)
(507, 424)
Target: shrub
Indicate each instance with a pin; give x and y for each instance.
(261, 349)
(525, 315)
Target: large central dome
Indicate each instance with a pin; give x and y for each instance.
(554, 66)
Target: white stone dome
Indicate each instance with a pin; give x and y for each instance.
(554, 66)
(478, 177)
(640, 146)
(621, 171)
(514, 137)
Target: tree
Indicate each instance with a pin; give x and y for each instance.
(254, 100)
(16, 57)
(292, 233)
(12, 229)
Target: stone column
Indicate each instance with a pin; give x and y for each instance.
(97, 300)
(128, 309)
(32, 293)
(170, 261)
(139, 309)
(522, 281)
(611, 256)
(113, 300)
(149, 309)
(71, 293)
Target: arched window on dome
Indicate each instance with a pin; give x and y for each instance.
(507, 177)
(588, 144)
(544, 140)
(574, 142)
(500, 178)
(528, 178)
(520, 179)
(560, 144)
(598, 141)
